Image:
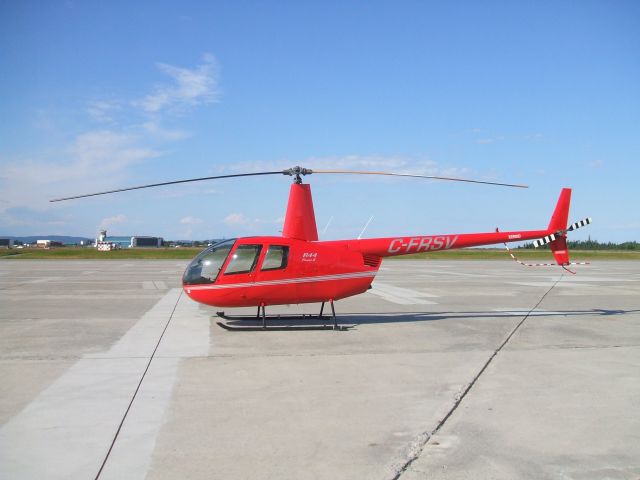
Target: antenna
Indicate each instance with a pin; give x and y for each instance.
(365, 227)
(327, 225)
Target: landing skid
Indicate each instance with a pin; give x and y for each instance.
(261, 321)
(282, 328)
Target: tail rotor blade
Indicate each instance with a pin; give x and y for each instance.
(544, 240)
(580, 224)
(550, 238)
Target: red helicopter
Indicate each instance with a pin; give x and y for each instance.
(297, 268)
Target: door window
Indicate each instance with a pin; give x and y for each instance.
(276, 257)
(244, 259)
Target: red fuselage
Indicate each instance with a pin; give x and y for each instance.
(311, 272)
(297, 268)
(317, 271)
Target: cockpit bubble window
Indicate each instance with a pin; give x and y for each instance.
(243, 259)
(206, 266)
(276, 257)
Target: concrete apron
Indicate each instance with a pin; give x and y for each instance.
(68, 429)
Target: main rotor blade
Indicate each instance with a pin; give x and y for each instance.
(280, 172)
(420, 176)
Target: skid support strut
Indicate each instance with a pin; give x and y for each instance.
(333, 313)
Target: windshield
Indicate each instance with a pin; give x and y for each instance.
(206, 266)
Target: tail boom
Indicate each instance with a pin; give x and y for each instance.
(395, 246)
(555, 235)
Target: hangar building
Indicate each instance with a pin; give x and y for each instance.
(130, 241)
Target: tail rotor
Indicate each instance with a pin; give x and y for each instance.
(556, 237)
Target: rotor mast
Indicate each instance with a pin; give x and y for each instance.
(300, 219)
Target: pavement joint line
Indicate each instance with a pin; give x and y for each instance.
(425, 437)
(124, 417)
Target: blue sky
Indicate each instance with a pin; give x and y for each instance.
(102, 95)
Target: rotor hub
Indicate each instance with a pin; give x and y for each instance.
(297, 172)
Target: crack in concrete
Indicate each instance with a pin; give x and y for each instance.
(417, 448)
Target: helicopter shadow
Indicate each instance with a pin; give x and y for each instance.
(351, 320)
(408, 317)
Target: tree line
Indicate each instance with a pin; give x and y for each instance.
(594, 245)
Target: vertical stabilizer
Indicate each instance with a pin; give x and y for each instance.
(558, 224)
(560, 215)
(300, 220)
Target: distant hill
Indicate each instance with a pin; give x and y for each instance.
(65, 239)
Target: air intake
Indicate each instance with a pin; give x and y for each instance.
(371, 260)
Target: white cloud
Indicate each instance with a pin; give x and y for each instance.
(392, 164)
(25, 217)
(94, 161)
(108, 151)
(190, 220)
(596, 163)
(109, 221)
(103, 110)
(488, 140)
(346, 162)
(190, 87)
(153, 129)
(99, 159)
(186, 190)
(240, 220)
(236, 219)
(533, 136)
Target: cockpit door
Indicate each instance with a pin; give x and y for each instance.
(241, 270)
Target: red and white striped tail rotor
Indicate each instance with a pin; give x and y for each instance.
(550, 238)
(544, 240)
(560, 235)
